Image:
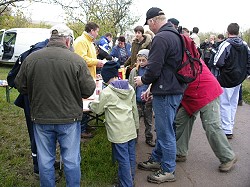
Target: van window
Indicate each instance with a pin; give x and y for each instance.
(1, 35)
(8, 45)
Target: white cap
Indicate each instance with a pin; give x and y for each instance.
(143, 52)
(62, 29)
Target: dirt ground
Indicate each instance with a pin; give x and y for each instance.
(201, 167)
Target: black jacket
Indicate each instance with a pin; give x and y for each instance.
(233, 61)
(166, 48)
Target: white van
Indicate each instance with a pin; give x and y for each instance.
(17, 40)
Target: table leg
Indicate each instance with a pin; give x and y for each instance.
(8, 94)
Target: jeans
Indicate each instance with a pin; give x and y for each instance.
(210, 117)
(165, 108)
(68, 136)
(228, 106)
(124, 153)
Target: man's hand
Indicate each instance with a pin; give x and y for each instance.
(100, 64)
(147, 95)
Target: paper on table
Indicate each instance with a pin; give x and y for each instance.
(86, 104)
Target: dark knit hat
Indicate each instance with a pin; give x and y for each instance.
(174, 21)
(109, 70)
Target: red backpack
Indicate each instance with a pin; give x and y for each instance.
(191, 65)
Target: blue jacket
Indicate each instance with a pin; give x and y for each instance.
(116, 52)
(104, 44)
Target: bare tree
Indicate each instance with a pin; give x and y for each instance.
(4, 4)
(111, 15)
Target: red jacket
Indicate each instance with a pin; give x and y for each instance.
(202, 91)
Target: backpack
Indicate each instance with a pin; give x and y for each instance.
(191, 65)
(234, 71)
(15, 69)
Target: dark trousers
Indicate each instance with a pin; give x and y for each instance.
(240, 93)
(84, 122)
(26, 108)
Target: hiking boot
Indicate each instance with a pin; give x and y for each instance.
(224, 167)
(57, 164)
(180, 158)
(151, 143)
(90, 129)
(240, 103)
(149, 165)
(160, 177)
(229, 136)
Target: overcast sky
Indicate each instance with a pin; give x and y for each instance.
(210, 15)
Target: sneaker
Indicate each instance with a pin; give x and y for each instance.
(229, 136)
(87, 135)
(224, 167)
(36, 175)
(180, 158)
(160, 177)
(149, 165)
(151, 143)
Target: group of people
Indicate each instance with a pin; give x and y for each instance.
(177, 105)
(55, 79)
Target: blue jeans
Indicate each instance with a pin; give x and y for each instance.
(124, 153)
(165, 108)
(68, 136)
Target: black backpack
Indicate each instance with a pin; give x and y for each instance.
(15, 69)
(234, 71)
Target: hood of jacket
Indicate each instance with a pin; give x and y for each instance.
(168, 26)
(237, 42)
(122, 88)
(145, 42)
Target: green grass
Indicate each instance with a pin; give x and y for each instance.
(246, 91)
(16, 168)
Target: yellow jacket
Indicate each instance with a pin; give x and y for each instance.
(84, 47)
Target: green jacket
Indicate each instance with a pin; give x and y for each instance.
(121, 112)
(55, 80)
(136, 47)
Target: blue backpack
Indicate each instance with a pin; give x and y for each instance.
(15, 69)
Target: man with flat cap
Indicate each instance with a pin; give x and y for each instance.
(164, 57)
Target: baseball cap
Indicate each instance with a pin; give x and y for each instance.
(153, 12)
(174, 21)
(62, 30)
